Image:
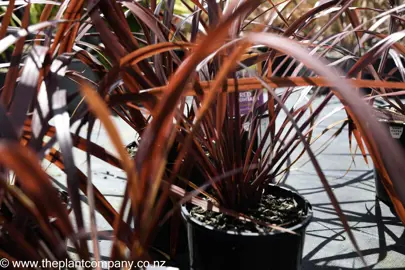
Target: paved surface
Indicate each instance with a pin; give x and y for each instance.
(378, 232)
(380, 235)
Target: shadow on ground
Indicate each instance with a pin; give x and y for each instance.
(369, 220)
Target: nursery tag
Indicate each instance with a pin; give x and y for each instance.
(396, 132)
(248, 99)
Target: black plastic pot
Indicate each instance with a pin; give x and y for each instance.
(397, 132)
(213, 249)
(380, 191)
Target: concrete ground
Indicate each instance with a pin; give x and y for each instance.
(379, 234)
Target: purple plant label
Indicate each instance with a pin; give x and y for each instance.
(246, 100)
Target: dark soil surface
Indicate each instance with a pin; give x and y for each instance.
(283, 211)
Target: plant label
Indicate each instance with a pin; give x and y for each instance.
(396, 132)
(247, 100)
(250, 99)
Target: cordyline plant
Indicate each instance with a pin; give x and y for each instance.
(147, 59)
(220, 135)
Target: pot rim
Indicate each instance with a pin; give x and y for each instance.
(304, 223)
(389, 121)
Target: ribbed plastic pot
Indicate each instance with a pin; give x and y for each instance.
(397, 132)
(211, 249)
